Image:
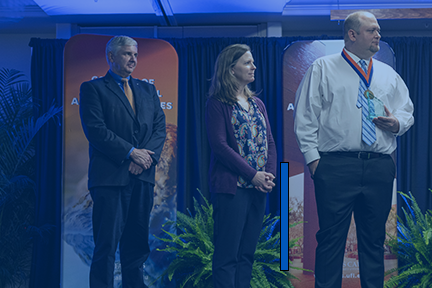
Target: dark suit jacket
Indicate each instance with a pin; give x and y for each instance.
(112, 129)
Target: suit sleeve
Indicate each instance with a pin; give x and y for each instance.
(157, 139)
(94, 126)
(218, 135)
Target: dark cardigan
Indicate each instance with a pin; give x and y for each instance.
(226, 164)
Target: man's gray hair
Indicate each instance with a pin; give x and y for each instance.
(116, 42)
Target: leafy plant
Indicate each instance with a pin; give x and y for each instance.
(18, 127)
(193, 246)
(414, 248)
(266, 267)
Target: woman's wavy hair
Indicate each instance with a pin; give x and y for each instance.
(224, 86)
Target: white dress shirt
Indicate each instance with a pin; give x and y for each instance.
(326, 117)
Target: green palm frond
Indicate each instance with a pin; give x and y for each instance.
(15, 94)
(414, 247)
(9, 77)
(18, 128)
(193, 247)
(22, 136)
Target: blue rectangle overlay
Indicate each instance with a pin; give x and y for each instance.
(284, 179)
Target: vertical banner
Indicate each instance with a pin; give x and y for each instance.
(284, 168)
(297, 59)
(85, 60)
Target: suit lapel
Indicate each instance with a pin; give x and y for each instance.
(112, 85)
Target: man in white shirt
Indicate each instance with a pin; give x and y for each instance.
(347, 146)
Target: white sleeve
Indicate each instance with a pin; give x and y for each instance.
(402, 107)
(307, 112)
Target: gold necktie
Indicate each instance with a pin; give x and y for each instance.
(128, 93)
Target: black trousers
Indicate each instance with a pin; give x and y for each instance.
(237, 224)
(121, 215)
(344, 185)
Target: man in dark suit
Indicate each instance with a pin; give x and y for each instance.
(125, 126)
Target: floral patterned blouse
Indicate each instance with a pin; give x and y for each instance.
(250, 132)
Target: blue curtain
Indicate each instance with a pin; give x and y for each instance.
(47, 86)
(414, 154)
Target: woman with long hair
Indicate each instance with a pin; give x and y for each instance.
(242, 165)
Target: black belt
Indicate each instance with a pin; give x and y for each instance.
(360, 155)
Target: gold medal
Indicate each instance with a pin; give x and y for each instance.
(368, 94)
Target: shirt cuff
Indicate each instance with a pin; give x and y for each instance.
(130, 152)
(311, 156)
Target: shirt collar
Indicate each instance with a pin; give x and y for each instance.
(356, 58)
(117, 77)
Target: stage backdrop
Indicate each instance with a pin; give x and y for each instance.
(84, 60)
(297, 59)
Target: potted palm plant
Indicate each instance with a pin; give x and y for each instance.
(193, 246)
(413, 247)
(18, 127)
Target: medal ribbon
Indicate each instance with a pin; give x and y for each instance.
(366, 78)
(368, 127)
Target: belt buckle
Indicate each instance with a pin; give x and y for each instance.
(363, 155)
